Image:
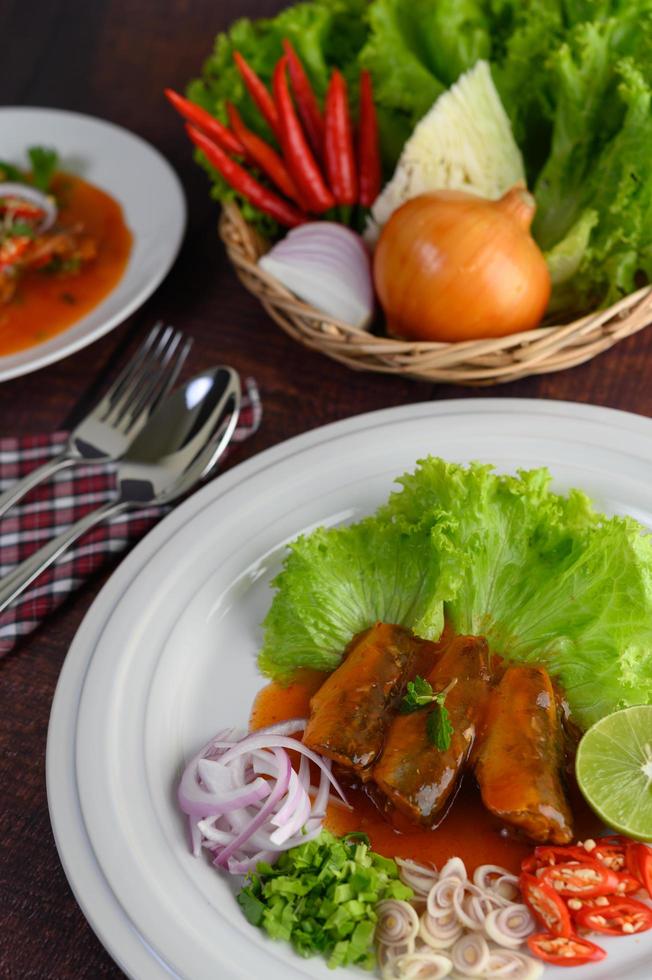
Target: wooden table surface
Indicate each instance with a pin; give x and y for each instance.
(112, 58)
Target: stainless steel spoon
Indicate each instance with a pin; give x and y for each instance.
(177, 447)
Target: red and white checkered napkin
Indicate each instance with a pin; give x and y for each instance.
(54, 505)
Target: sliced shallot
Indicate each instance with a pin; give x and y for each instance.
(471, 905)
(23, 192)
(441, 895)
(454, 868)
(246, 803)
(398, 923)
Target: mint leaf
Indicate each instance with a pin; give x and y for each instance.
(439, 727)
(419, 694)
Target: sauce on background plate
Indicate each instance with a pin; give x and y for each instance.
(468, 830)
(46, 304)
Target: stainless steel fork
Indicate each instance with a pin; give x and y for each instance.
(116, 420)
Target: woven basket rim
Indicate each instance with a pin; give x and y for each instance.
(549, 347)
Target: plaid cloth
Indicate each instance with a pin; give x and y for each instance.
(53, 506)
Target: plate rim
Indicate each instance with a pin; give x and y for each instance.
(97, 617)
(12, 365)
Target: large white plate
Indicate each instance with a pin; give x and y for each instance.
(166, 657)
(138, 177)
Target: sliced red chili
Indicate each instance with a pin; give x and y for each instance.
(261, 197)
(627, 884)
(203, 120)
(586, 879)
(620, 917)
(638, 858)
(547, 855)
(546, 905)
(564, 950)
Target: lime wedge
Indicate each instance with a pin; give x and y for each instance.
(614, 770)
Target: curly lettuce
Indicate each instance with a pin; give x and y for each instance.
(542, 575)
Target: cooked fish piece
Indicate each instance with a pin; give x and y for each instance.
(521, 755)
(350, 712)
(417, 777)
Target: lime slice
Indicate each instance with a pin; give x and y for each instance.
(614, 770)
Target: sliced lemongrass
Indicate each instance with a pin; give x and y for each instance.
(509, 926)
(397, 922)
(389, 956)
(471, 905)
(424, 965)
(441, 895)
(512, 965)
(454, 868)
(470, 954)
(440, 932)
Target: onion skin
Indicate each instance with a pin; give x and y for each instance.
(451, 266)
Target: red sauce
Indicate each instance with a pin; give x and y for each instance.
(44, 305)
(468, 830)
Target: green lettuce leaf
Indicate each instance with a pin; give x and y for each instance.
(542, 575)
(338, 582)
(545, 578)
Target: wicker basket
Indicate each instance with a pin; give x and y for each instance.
(472, 362)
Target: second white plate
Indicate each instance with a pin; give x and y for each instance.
(167, 656)
(133, 173)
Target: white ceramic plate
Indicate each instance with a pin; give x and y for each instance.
(132, 172)
(166, 657)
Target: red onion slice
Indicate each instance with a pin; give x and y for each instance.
(25, 192)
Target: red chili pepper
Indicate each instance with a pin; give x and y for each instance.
(584, 880)
(638, 858)
(12, 249)
(306, 100)
(627, 884)
(208, 124)
(564, 950)
(546, 905)
(611, 855)
(243, 182)
(259, 94)
(369, 166)
(263, 155)
(548, 855)
(621, 917)
(338, 142)
(297, 153)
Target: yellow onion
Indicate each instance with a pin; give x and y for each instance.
(453, 266)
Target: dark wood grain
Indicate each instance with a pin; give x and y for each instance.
(112, 58)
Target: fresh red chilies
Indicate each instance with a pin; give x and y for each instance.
(369, 165)
(298, 155)
(241, 181)
(339, 156)
(208, 124)
(262, 155)
(306, 100)
(258, 93)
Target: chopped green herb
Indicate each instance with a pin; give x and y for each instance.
(321, 897)
(44, 163)
(438, 725)
(18, 229)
